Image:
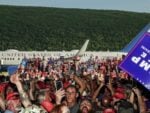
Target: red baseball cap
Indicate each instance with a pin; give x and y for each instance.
(109, 110)
(119, 89)
(119, 95)
(12, 96)
(47, 105)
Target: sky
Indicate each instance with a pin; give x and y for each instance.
(125, 5)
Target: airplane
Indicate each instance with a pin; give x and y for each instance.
(14, 57)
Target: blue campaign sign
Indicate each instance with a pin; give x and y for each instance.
(137, 62)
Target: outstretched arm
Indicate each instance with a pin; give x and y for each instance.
(97, 91)
(2, 103)
(32, 89)
(141, 103)
(23, 95)
(109, 85)
(79, 81)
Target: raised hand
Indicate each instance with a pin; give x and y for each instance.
(137, 91)
(14, 78)
(59, 95)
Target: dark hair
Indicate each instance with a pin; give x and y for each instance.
(40, 97)
(124, 106)
(106, 101)
(91, 111)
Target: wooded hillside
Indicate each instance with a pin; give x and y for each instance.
(52, 29)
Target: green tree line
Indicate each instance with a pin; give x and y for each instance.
(54, 29)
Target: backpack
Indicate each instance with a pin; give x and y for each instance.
(125, 107)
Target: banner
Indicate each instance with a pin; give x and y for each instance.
(137, 62)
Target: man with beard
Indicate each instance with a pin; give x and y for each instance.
(85, 107)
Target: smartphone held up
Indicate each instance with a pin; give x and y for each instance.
(58, 84)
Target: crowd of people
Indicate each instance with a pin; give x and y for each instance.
(58, 86)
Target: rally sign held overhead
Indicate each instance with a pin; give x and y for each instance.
(137, 62)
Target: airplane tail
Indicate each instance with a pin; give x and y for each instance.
(128, 47)
(83, 49)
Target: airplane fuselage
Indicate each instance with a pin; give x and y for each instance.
(14, 57)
